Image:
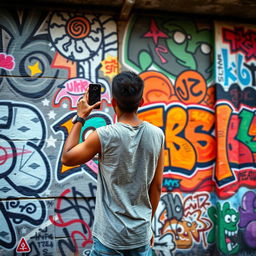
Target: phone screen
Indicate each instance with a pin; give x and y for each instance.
(94, 93)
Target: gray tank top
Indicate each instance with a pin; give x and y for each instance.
(127, 164)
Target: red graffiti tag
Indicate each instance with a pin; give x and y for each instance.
(86, 239)
(241, 41)
(7, 153)
(155, 33)
(194, 207)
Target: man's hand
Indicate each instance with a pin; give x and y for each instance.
(74, 153)
(83, 108)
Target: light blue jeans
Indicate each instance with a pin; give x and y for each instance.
(98, 249)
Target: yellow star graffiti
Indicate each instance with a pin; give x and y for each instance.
(35, 69)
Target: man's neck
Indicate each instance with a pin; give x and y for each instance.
(129, 118)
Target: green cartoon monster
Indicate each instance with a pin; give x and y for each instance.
(187, 42)
(225, 229)
(169, 45)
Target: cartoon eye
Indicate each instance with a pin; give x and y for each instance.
(178, 208)
(227, 218)
(189, 224)
(205, 48)
(233, 218)
(178, 228)
(179, 37)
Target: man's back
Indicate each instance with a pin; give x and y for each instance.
(131, 169)
(128, 160)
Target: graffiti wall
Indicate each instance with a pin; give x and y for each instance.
(175, 59)
(47, 61)
(199, 89)
(235, 120)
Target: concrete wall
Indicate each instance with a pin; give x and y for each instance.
(47, 60)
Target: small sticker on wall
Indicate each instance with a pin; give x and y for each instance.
(23, 246)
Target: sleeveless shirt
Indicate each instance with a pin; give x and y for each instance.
(127, 164)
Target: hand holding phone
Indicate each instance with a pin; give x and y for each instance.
(94, 94)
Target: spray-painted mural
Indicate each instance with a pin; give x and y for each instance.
(209, 178)
(48, 59)
(175, 60)
(235, 173)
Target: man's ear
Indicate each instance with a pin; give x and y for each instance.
(141, 102)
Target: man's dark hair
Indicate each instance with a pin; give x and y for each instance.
(127, 89)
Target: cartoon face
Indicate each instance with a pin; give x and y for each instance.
(225, 220)
(187, 43)
(229, 220)
(169, 46)
(183, 232)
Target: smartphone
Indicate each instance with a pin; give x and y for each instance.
(94, 94)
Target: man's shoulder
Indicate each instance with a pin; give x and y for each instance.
(154, 128)
(107, 130)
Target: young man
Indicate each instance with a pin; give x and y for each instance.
(131, 162)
